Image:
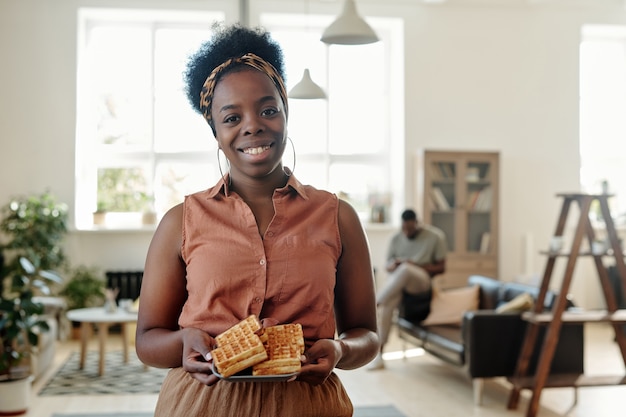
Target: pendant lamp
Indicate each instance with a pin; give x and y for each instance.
(349, 28)
(306, 88)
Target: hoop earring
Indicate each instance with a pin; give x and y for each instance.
(289, 172)
(219, 165)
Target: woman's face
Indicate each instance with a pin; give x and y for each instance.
(250, 122)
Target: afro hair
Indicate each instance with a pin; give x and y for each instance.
(228, 42)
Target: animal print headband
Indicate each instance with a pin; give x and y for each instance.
(208, 88)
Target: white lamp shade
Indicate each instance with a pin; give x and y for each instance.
(349, 28)
(306, 88)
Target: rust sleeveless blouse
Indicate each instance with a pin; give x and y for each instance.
(288, 274)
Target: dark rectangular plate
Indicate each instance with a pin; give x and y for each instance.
(246, 376)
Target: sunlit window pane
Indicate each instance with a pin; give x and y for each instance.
(357, 183)
(178, 127)
(123, 189)
(134, 120)
(312, 172)
(308, 126)
(119, 76)
(359, 106)
(344, 141)
(175, 180)
(134, 116)
(602, 110)
(307, 118)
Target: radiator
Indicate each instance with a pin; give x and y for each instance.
(128, 283)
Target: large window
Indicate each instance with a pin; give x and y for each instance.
(602, 114)
(346, 143)
(141, 147)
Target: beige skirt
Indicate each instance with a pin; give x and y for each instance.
(183, 396)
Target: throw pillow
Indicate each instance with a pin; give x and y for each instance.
(522, 302)
(448, 306)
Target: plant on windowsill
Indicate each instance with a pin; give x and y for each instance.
(123, 194)
(99, 216)
(149, 215)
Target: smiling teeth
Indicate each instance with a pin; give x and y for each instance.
(256, 151)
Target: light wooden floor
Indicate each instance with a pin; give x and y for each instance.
(419, 386)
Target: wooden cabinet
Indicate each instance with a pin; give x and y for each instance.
(457, 191)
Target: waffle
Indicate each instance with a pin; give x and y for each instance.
(249, 325)
(239, 347)
(284, 344)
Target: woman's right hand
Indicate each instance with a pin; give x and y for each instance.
(197, 359)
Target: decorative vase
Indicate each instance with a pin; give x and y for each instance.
(99, 218)
(148, 218)
(15, 396)
(110, 306)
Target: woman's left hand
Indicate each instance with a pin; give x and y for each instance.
(319, 361)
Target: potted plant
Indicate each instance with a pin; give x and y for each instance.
(149, 215)
(20, 324)
(35, 227)
(32, 229)
(84, 288)
(99, 216)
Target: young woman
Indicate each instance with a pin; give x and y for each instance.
(258, 242)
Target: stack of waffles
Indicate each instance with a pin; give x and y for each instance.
(239, 347)
(272, 350)
(284, 344)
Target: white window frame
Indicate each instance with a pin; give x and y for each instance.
(391, 158)
(602, 122)
(91, 155)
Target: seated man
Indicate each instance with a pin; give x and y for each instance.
(415, 256)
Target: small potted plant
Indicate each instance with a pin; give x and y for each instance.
(84, 288)
(149, 215)
(99, 216)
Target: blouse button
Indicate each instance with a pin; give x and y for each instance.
(262, 262)
(257, 299)
(270, 234)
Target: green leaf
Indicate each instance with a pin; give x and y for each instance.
(28, 266)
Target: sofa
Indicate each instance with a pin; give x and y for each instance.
(485, 341)
(43, 357)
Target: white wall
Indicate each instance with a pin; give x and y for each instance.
(480, 75)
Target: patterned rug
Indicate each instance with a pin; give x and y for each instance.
(371, 411)
(118, 378)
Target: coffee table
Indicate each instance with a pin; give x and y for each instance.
(103, 320)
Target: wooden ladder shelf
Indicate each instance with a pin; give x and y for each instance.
(558, 316)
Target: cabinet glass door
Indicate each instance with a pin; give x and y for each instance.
(443, 176)
(479, 200)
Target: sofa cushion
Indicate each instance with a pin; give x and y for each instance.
(448, 306)
(523, 302)
(489, 291)
(43, 357)
(510, 290)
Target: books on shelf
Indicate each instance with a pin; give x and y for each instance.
(484, 242)
(439, 199)
(442, 171)
(480, 200)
